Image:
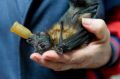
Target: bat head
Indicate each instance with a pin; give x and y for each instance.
(40, 41)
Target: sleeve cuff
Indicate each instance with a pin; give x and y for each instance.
(115, 46)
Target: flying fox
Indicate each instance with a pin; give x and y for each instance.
(68, 33)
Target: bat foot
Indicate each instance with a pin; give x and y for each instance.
(58, 50)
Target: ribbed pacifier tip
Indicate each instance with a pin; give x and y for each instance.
(21, 30)
(14, 26)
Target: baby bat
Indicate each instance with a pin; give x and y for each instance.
(68, 33)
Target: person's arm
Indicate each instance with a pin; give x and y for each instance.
(95, 55)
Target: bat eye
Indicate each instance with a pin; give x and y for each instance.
(42, 45)
(30, 40)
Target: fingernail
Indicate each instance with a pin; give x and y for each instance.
(34, 57)
(31, 56)
(86, 21)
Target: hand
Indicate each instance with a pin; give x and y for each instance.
(95, 55)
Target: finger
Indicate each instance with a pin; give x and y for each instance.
(73, 56)
(57, 66)
(96, 26)
(51, 55)
(52, 65)
(67, 58)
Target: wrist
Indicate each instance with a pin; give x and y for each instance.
(115, 51)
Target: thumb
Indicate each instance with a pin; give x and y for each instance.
(97, 27)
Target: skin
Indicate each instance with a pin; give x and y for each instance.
(95, 55)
